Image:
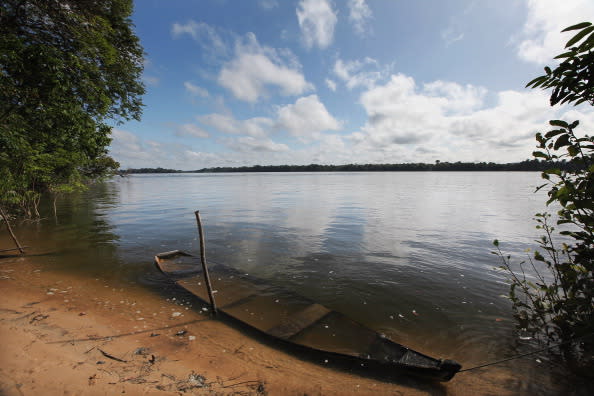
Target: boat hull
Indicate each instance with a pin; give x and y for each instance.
(299, 322)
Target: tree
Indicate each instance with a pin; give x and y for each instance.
(67, 69)
(573, 80)
(560, 305)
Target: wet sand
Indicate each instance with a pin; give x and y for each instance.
(71, 334)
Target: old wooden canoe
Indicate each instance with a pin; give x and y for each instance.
(297, 320)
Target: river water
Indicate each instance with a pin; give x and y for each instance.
(407, 254)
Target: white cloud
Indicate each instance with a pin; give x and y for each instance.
(397, 114)
(252, 144)
(448, 121)
(317, 20)
(331, 85)
(255, 127)
(359, 15)
(194, 160)
(511, 123)
(203, 33)
(458, 21)
(256, 67)
(541, 39)
(124, 141)
(191, 130)
(268, 4)
(456, 98)
(150, 80)
(306, 118)
(354, 73)
(133, 152)
(451, 35)
(195, 90)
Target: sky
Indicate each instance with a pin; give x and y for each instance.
(270, 82)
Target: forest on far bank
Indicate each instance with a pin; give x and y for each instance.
(523, 166)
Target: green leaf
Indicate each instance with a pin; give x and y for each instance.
(587, 44)
(540, 83)
(559, 123)
(553, 171)
(563, 140)
(582, 100)
(539, 80)
(577, 26)
(579, 36)
(554, 132)
(565, 55)
(540, 154)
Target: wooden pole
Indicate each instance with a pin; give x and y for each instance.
(16, 242)
(204, 267)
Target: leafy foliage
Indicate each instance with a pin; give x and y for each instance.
(67, 67)
(560, 306)
(572, 81)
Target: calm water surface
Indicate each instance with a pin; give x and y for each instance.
(408, 254)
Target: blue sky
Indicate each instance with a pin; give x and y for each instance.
(246, 82)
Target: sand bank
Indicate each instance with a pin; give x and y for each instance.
(65, 334)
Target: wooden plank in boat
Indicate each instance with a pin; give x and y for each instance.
(299, 321)
(257, 305)
(336, 333)
(227, 293)
(175, 263)
(265, 311)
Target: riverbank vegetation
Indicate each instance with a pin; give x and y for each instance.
(554, 297)
(527, 165)
(68, 70)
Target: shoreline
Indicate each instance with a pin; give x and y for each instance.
(65, 334)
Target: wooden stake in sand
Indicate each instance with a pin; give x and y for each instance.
(204, 268)
(16, 242)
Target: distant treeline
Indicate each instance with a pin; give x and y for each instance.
(148, 170)
(527, 165)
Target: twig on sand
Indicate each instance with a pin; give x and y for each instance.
(27, 315)
(109, 338)
(236, 377)
(107, 355)
(247, 383)
(38, 318)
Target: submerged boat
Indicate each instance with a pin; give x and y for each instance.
(300, 322)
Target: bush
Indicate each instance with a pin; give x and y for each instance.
(558, 305)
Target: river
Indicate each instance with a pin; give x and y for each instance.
(406, 253)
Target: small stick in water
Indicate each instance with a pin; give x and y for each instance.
(203, 260)
(16, 242)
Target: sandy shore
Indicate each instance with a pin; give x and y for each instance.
(74, 335)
